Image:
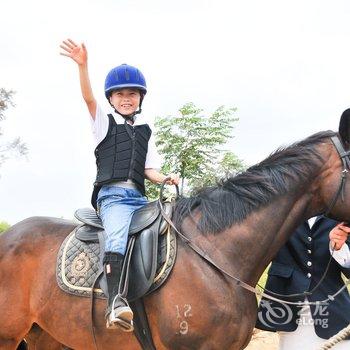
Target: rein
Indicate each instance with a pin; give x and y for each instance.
(344, 156)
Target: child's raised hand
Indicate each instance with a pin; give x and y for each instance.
(78, 53)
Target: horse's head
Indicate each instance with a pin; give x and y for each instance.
(344, 128)
(335, 178)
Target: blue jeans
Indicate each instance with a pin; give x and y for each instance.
(116, 206)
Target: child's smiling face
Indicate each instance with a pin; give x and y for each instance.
(126, 101)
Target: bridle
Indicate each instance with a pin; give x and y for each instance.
(344, 156)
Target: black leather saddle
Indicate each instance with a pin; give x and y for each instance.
(147, 225)
(142, 218)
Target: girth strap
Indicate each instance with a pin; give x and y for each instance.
(141, 326)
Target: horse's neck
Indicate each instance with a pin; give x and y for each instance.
(247, 248)
(274, 227)
(252, 244)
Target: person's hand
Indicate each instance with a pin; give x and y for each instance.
(174, 179)
(339, 235)
(78, 53)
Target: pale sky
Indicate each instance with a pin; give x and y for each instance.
(284, 64)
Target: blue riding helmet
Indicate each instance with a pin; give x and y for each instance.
(124, 76)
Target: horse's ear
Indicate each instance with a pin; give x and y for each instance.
(344, 127)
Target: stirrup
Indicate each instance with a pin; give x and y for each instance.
(123, 319)
(118, 323)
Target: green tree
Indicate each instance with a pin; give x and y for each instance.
(13, 147)
(192, 145)
(226, 165)
(3, 226)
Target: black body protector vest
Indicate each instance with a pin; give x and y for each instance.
(121, 155)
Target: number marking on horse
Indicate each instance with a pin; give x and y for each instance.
(181, 313)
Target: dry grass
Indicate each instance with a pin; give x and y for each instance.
(262, 340)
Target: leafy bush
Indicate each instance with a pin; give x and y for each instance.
(4, 226)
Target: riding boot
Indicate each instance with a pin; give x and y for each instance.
(118, 313)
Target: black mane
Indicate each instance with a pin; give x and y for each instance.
(234, 198)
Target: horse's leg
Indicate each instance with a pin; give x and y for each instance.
(38, 339)
(15, 320)
(18, 263)
(12, 328)
(22, 345)
(8, 343)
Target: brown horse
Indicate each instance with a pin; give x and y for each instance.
(240, 223)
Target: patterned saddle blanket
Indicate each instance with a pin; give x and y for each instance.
(79, 262)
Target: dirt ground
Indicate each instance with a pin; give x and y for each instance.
(262, 340)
